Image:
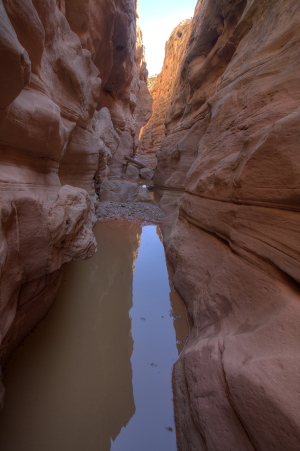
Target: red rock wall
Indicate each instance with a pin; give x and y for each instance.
(58, 92)
(166, 83)
(234, 129)
(109, 31)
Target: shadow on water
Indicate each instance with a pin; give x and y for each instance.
(95, 375)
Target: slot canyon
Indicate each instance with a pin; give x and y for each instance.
(206, 151)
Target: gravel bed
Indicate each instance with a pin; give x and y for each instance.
(147, 212)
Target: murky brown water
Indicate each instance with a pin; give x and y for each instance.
(95, 375)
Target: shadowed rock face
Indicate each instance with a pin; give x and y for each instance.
(234, 128)
(56, 139)
(109, 31)
(231, 146)
(153, 133)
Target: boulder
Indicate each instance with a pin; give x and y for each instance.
(118, 191)
(143, 195)
(146, 173)
(123, 191)
(132, 172)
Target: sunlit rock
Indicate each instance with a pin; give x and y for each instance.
(108, 29)
(162, 88)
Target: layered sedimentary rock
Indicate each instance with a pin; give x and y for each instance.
(53, 98)
(233, 147)
(161, 89)
(109, 31)
(56, 139)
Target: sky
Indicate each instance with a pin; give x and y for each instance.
(157, 19)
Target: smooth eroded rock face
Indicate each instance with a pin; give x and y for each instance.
(49, 108)
(60, 62)
(162, 88)
(233, 147)
(109, 31)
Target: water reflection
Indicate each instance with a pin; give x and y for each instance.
(70, 386)
(153, 320)
(96, 374)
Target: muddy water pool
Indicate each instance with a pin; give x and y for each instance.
(95, 375)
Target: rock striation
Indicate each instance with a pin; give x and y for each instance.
(108, 29)
(162, 88)
(232, 148)
(60, 124)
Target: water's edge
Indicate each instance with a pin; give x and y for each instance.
(106, 350)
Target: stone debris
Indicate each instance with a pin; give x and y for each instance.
(135, 169)
(137, 211)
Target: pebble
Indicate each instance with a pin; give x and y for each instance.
(130, 211)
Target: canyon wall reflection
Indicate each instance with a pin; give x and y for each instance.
(95, 375)
(69, 387)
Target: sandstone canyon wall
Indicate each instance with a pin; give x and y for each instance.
(71, 81)
(232, 147)
(153, 133)
(108, 29)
